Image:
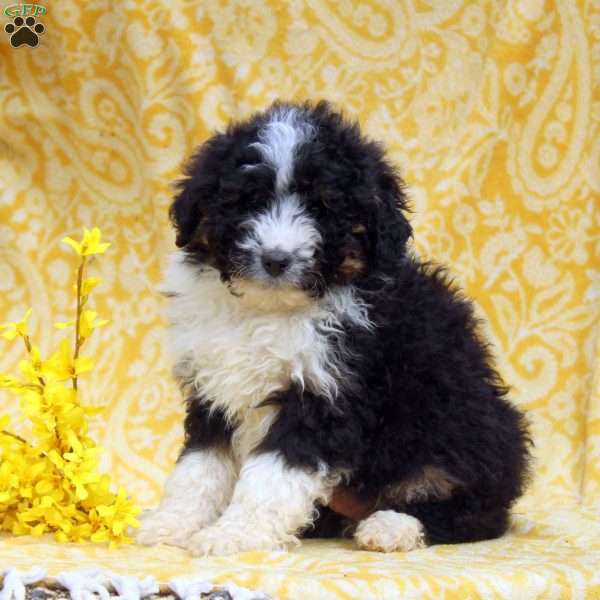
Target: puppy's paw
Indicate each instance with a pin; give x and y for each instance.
(163, 527)
(220, 541)
(390, 531)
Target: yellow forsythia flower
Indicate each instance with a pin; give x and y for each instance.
(86, 325)
(62, 365)
(88, 284)
(12, 330)
(32, 368)
(51, 484)
(90, 244)
(8, 382)
(89, 323)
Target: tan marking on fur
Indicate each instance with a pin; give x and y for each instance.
(352, 265)
(432, 482)
(201, 235)
(359, 229)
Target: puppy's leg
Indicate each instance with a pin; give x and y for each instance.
(452, 521)
(390, 531)
(460, 519)
(271, 503)
(195, 494)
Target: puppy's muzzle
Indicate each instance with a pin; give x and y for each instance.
(276, 262)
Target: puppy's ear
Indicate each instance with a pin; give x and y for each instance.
(185, 213)
(199, 188)
(390, 228)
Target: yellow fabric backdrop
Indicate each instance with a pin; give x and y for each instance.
(492, 110)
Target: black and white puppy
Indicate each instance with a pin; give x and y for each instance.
(314, 350)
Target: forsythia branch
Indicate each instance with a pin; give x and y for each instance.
(51, 485)
(78, 315)
(14, 436)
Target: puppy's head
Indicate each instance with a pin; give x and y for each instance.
(293, 199)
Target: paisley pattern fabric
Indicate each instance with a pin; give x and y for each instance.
(492, 111)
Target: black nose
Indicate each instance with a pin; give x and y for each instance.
(276, 262)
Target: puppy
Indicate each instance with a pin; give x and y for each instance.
(314, 352)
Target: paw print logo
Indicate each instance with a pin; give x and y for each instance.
(24, 31)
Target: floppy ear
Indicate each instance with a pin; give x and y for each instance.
(185, 212)
(199, 189)
(390, 229)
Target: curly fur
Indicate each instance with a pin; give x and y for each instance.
(389, 531)
(357, 361)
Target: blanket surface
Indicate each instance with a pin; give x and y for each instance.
(492, 111)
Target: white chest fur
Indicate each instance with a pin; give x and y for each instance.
(236, 352)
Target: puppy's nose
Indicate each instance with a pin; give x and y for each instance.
(275, 262)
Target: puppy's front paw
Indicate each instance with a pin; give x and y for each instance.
(390, 531)
(220, 541)
(163, 527)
